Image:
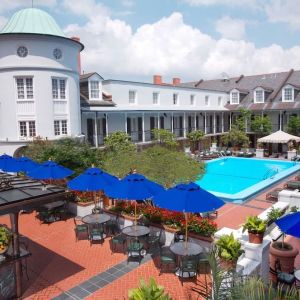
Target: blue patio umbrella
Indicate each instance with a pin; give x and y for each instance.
(188, 198)
(50, 170)
(134, 187)
(92, 180)
(24, 164)
(290, 224)
(7, 163)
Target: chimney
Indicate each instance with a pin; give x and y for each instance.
(176, 81)
(157, 79)
(77, 39)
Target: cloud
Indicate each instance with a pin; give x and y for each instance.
(7, 5)
(284, 11)
(231, 28)
(248, 3)
(169, 47)
(127, 3)
(3, 21)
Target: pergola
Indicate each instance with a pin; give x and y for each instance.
(20, 193)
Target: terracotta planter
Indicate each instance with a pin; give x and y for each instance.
(4, 250)
(285, 256)
(255, 238)
(228, 264)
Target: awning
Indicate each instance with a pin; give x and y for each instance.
(279, 137)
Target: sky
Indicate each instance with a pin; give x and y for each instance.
(189, 39)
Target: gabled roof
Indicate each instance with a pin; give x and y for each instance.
(88, 75)
(243, 91)
(267, 89)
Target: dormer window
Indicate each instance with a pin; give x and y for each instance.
(175, 99)
(259, 96)
(234, 97)
(192, 100)
(94, 89)
(132, 97)
(288, 94)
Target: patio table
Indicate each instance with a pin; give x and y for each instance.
(95, 219)
(136, 231)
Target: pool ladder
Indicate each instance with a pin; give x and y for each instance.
(270, 173)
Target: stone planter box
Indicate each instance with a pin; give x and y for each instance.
(81, 209)
(259, 153)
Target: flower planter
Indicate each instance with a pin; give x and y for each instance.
(81, 209)
(255, 238)
(228, 264)
(286, 256)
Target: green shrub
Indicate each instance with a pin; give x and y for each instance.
(255, 225)
(228, 248)
(274, 214)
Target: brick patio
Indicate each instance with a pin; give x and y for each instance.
(60, 263)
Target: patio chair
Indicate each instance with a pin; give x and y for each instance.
(96, 234)
(113, 226)
(119, 239)
(188, 265)
(154, 238)
(61, 212)
(285, 278)
(80, 228)
(209, 214)
(167, 259)
(273, 195)
(292, 185)
(135, 249)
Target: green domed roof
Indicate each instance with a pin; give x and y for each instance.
(32, 20)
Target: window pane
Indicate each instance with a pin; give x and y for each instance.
(31, 125)
(64, 129)
(20, 88)
(192, 100)
(94, 89)
(219, 101)
(23, 129)
(29, 88)
(155, 98)
(62, 88)
(132, 95)
(56, 128)
(288, 94)
(206, 100)
(234, 98)
(54, 89)
(259, 96)
(175, 99)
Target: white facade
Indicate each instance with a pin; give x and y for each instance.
(38, 105)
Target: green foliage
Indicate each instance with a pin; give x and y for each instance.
(235, 137)
(242, 120)
(293, 125)
(255, 225)
(118, 141)
(194, 138)
(5, 237)
(164, 137)
(168, 167)
(294, 209)
(261, 125)
(229, 248)
(274, 214)
(151, 291)
(70, 153)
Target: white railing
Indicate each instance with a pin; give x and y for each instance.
(25, 107)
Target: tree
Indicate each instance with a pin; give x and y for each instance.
(293, 125)
(164, 137)
(118, 141)
(71, 153)
(194, 138)
(242, 121)
(261, 125)
(235, 138)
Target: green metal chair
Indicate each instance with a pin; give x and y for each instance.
(134, 250)
(153, 239)
(96, 234)
(119, 239)
(80, 228)
(188, 265)
(167, 259)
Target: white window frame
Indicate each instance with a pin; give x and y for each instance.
(134, 92)
(60, 127)
(219, 100)
(257, 100)
(27, 123)
(59, 92)
(288, 87)
(91, 90)
(192, 99)
(25, 88)
(157, 99)
(175, 98)
(206, 100)
(237, 93)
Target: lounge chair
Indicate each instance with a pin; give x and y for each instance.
(273, 195)
(292, 185)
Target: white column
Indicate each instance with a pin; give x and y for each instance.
(214, 123)
(143, 127)
(184, 125)
(158, 121)
(205, 124)
(222, 122)
(229, 120)
(172, 122)
(106, 121)
(280, 120)
(126, 122)
(195, 121)
(96, 130)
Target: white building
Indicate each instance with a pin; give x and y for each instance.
(39, 77)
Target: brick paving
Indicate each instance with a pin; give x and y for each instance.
(60, 263)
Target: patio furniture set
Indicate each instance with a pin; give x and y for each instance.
(52, 212)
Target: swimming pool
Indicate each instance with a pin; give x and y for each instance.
(236, 179)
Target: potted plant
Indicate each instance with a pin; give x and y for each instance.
(256, 228)
(274, 214)
(229, 250)
(5, 239)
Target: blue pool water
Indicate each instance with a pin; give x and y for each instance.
(236, 179)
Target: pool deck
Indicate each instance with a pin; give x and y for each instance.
(62, 268)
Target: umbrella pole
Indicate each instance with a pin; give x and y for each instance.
(186, 229)
(135, 213)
